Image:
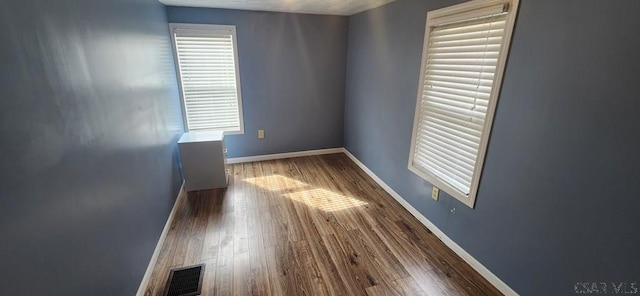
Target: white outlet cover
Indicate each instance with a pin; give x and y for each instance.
(435, 192)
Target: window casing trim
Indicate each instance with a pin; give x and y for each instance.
(207, 30)
(437, 17)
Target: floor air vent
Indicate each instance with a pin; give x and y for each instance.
(186, 281)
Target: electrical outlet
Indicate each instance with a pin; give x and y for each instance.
(435, 192)
(260, 134)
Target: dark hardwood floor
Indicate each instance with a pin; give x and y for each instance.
(309, 226)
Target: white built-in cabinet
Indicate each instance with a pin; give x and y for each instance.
(204, 160)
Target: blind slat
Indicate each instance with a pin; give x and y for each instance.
(441, 79)
(475, 86)
(463, 61)
(452, 133)
(436, 165)
(448, 143)
(463, 113)
(458, 94)
(461, 74)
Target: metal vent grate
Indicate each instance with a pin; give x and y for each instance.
(186, 281)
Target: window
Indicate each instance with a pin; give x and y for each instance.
(464, 54)
(207, 61)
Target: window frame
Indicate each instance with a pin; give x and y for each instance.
(208, 29)
(461, 12)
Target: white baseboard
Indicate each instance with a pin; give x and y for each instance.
(284, 155)
(475, 264)
(156, 252)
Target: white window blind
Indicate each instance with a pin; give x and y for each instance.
(459, 85)
(208, 70)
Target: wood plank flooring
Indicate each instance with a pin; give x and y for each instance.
(313, 225)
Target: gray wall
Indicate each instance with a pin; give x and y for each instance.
(292, 71)
(558, 200)
(89, 117)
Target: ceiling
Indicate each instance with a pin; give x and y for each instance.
(332, 7)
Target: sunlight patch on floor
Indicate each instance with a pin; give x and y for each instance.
(319, 198)
(325, 200)
(276, 183)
